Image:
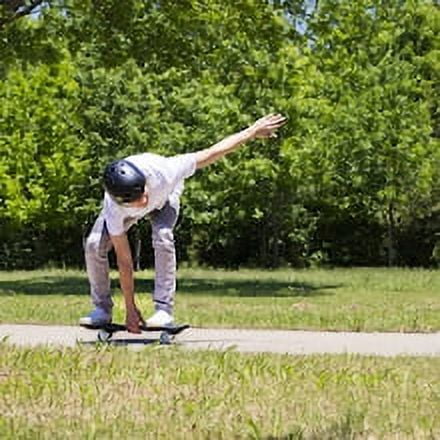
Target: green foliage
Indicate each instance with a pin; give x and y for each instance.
(86, 82)
(367, 121)
(41, 155)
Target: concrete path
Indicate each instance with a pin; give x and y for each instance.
(253, 341)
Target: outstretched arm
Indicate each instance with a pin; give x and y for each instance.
(263, 128)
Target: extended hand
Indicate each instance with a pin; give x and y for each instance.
(266, 126)
(263, 128)
(133, 320)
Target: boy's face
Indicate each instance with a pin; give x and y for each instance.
(139, 203)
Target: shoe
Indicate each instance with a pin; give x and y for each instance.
(159, 319)
(97, 317)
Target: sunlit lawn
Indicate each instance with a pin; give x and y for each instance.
(167, 393)
(340, 299)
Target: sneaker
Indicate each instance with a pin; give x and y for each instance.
(159, 319)
(97, 317)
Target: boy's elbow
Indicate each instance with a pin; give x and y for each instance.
(201, 164)
(202, 159)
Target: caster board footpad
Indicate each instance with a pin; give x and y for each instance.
(167, 333)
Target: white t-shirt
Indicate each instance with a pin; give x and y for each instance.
(164, 181)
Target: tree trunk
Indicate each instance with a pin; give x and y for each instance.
(391, 234)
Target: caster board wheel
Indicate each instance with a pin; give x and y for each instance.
(165, 338)
(104, 335)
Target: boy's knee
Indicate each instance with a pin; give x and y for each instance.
(163, 239)
(91, 246)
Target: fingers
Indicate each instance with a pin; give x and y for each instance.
(275, 116)
(133, 320)
(278, 120)
(274, 124)
(141, 319)
(133, 327)
(266, 126)
(270, 117)
(273, 120)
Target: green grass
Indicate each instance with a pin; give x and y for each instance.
(110, 392)
(167, 393)
(340, 299)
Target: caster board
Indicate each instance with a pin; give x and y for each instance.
(167, 333)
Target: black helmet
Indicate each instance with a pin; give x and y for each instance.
(123, 181)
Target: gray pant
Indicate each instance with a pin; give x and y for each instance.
(98, 244)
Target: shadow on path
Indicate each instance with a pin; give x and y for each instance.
(123, 342)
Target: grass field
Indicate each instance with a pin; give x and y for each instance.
(165, 393)
(340, 299)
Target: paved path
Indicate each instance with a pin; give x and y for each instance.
(273, 341)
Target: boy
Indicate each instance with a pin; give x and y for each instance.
(148, 184)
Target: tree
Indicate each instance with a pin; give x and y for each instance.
(11, 10)
(41, 154)
(373, 130)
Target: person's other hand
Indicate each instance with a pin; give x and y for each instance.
(133, 320)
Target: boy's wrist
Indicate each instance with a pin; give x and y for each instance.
(248, 134)
(130, 305)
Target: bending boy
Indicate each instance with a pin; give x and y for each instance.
(140, 185)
